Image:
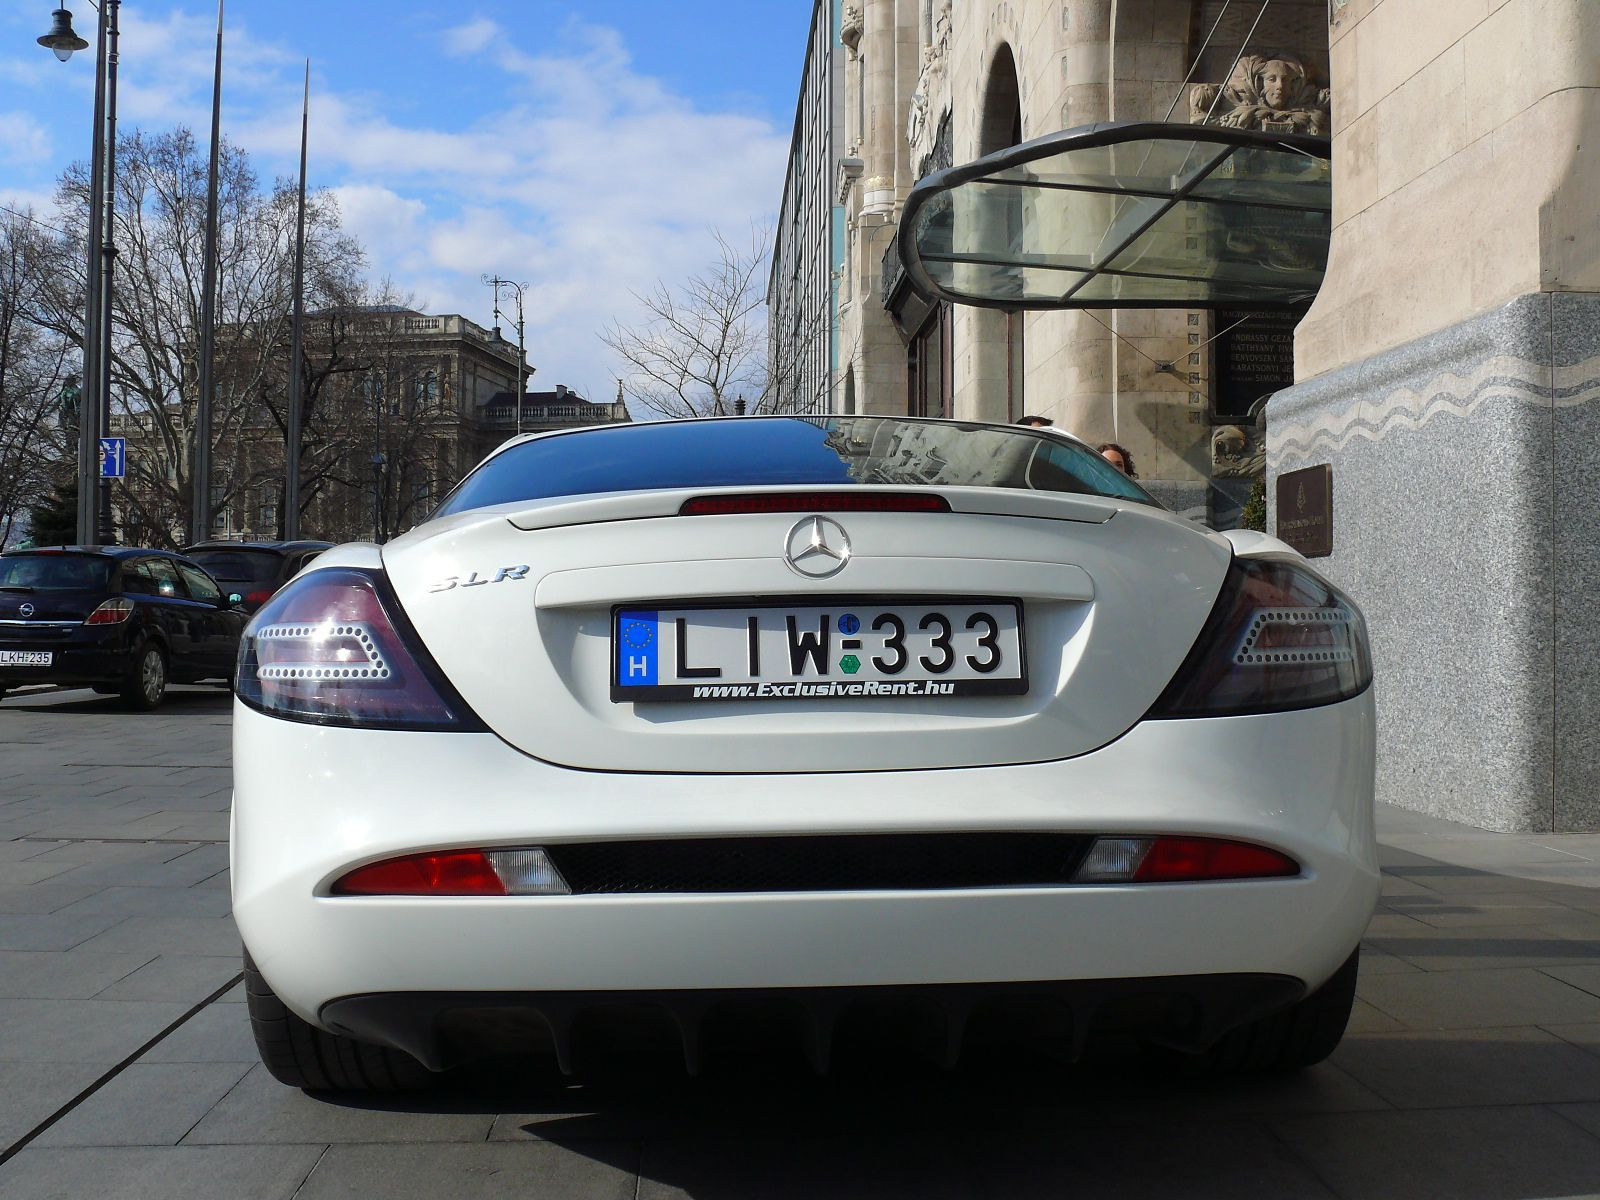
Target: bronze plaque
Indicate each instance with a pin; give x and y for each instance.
(1305, 510)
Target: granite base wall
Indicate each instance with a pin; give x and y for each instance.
(1466, 523)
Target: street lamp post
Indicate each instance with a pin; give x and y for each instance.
(516, 289)
(94, 493)
(379, 461)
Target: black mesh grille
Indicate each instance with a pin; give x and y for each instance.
(851, 862)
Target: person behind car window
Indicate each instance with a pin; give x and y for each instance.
(1118, 457)
(1035, 422)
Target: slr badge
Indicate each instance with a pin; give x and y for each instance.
(476, 580)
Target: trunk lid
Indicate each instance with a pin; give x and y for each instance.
(1112, 596)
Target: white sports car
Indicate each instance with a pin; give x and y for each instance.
(692, 728)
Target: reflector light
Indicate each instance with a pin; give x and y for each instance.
(110, 612)
(520, 872)
(451, 873)
(782, 502)
(1180, 860)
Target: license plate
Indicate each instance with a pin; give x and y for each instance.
(26, 658)
(849, 650)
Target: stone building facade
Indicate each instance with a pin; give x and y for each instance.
(931, 83)
(808, 242)
(409, 403)
(1448, 377)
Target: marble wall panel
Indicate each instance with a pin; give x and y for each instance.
(1452, 531)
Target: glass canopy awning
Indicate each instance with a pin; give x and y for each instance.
(1127, 215)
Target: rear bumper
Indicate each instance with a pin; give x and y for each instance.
(73, 663)
(312, 802)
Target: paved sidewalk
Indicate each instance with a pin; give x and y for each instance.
(1472, 1068)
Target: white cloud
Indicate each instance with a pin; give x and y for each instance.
(23, 140)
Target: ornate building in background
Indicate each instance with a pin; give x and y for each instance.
(808, 243)
(400, 405)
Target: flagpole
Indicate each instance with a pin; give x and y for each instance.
(291, 483)
(200, 507)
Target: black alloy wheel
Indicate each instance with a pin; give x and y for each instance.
(146, 681)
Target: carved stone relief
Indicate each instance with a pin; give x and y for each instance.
(930, 101)
(1277, 93)
(1237, 452)
(850, 29)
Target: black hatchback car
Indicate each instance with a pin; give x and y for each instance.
(254, 569)
(123, 621)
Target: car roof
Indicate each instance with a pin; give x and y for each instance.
(114, 552)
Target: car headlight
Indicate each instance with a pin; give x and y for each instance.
(1280, 637)
(334, 648)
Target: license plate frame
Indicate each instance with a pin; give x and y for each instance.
(834, 683)
(27, 658)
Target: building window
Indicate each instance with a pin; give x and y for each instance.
(928, 364)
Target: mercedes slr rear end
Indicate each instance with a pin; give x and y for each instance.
(800, 716)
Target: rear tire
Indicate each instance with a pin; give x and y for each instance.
(146, 681)
(299, 1054)
(1300, 1036)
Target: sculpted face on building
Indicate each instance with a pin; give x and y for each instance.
(1275, 92)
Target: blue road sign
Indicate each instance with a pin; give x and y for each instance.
(113, 458)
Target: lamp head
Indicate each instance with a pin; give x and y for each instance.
(62, 39)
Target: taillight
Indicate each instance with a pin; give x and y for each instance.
(334, 648)
(1280, 637)
(110, 612)
(520, 872)
(783, 502)
(1180, 860)
(258, 597)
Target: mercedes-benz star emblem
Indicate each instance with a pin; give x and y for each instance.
(26, 610)
(817, 548)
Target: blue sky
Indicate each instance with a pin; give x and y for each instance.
(587, 149)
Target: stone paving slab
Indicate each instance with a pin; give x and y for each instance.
(149, 1104)
(498, 1172)
(43, 975)
(165, 1173)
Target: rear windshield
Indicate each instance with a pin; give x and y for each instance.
(239, 566)
(756, 451)
(54, 572)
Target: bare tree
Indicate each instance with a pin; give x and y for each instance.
(702, 345)
(155, 372)
(35, 378)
